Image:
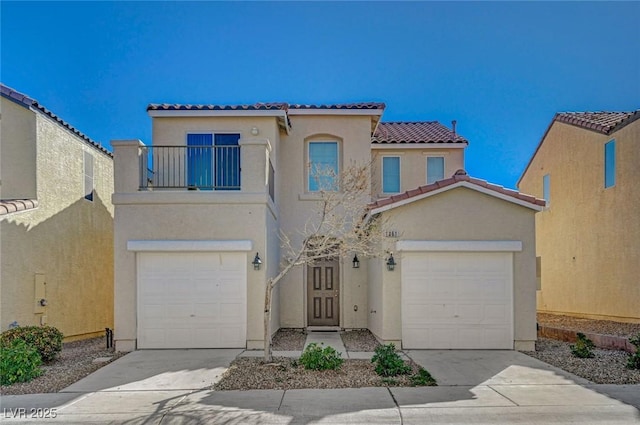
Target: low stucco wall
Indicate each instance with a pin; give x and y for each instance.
(462, 214)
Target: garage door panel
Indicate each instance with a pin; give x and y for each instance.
(191, 300)
(457, 300)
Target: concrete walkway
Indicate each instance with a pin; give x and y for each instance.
(173, 387)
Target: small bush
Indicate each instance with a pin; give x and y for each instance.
(388, 362)
(316, 358)
(633, 362)
(583, 347)
(46, 339)
(19, 362)
(422, 378)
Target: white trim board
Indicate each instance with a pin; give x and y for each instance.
(189, 246)
(460, 246)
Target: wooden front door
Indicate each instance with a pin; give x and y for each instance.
(323, 293)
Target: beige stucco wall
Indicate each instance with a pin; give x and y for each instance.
(589, 237)
(247, 214)
(17, 151)
(413, 166)
(467, 215)
(67, 239)
(297, 206)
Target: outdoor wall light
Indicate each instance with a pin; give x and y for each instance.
(391, 262)
(356, 262)
(257, 262)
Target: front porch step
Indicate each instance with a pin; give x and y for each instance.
(324, 328)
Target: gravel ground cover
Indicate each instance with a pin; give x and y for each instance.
(248, 373)
(72, 364)
(289, 340)
(359, 340)
(607, 367)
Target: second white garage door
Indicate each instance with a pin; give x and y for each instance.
(457, 300)
(192, 300)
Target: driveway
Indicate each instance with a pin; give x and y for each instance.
(171, 387)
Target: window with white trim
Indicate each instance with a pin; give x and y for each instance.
(435, 169)
(88, 176)
(390, 174)
(610, 164)
(323, 166)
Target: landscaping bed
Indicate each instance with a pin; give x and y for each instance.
(74, 362)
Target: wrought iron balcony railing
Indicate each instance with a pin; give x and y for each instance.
(190, 167)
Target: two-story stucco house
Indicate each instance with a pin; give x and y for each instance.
(56, 222)
(587, 167)
(218, 183)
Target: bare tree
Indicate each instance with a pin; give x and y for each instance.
(338, 227)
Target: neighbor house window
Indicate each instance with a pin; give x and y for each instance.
(435, 169)
(213, 161)
(323, 166)
(546, 194)
(391, 174)
(88, 176)
(610, 164)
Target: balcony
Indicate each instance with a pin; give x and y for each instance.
(198, 175)
(190, 167)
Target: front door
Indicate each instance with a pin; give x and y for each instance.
(323, 293)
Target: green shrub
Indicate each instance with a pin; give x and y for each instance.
(316, 358)
(583, 347)
(422, 378)
(633, 362)
(388, 362)
(46, 339)
(19, 362)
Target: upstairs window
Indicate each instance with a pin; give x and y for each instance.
(323, 166)
(390, 174)
(88, 176)
(213, 161)
(610, 164)
(435, 169)
(546, 194)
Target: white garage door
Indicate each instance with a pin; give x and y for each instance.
(192, 300)
(457, 300)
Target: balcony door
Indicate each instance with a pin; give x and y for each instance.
(213, 161)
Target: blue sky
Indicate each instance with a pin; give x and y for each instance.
(500, 69)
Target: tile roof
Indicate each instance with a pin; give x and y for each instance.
(458, 177)
(14, 205)
(262, 106)
(27, 102)
(415, 132)
(603, 122)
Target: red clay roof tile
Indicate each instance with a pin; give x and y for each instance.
(263, 106)
(603, 122)
(459, 177)
(415, 132)
(8, 206)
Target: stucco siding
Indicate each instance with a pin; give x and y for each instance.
(589, 237)
(413, 166)
(466, 215)
(17, 151)
(68, 239)
(353, 134)
(189, 222)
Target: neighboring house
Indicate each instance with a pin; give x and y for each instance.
(587, 167)
(219, 182)
(56, 222)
